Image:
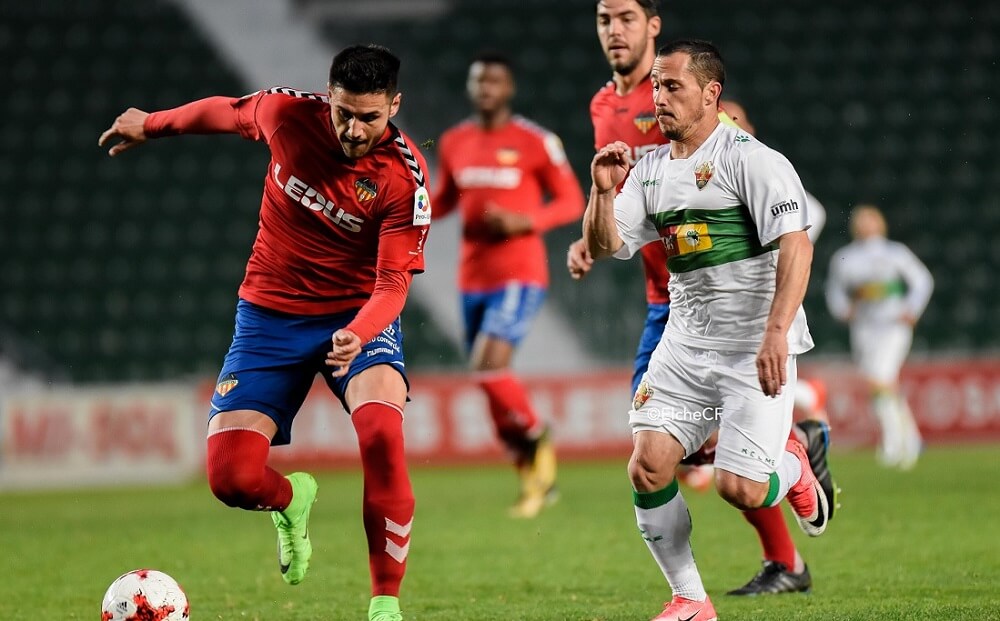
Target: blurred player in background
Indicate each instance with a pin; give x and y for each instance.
(881, 288)
(732, 215)
(623, 110)
(343, 221)
(511, 182)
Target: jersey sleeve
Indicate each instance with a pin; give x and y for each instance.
(212, 115)
(769, 186)
(386, 303)
(445, 198)
(634, 226)
(254, 117)
(556, 177)
(259, 114)
(919, 282)
(406, 222)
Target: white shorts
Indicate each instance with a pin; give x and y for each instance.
(690, 392)
(880, 350)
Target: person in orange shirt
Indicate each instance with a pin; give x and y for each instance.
(511, 182)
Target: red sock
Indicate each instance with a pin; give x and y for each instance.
(388, 496)
(513, 417)
(769, 522)
(238, 473)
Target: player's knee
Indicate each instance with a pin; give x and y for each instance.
(742, 493)
(379, 429)
(235, 484)
(647, 474)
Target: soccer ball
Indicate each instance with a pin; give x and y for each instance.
(145, 595)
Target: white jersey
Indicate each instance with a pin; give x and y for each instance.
(881, 279)
(719, 213)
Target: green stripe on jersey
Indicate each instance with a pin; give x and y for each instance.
(699, 238)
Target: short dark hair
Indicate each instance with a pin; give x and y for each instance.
(706, 60)
(365, 69)
(494, 57)
(650, 7)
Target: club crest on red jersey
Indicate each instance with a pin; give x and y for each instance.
(507, 157)
(645, 122)
(703, 174)
(226, 385)
(365, 189)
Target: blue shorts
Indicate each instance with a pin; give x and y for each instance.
(656, 321)
(275, 356)
(503, 313)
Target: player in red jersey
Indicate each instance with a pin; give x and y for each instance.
(511, 182)
(623, 110)
(343, 221)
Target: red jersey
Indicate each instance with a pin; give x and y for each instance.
(326, 221)
(515, 167)
(632, 119)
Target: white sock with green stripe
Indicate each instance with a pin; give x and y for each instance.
(783, 478)
(665, 524)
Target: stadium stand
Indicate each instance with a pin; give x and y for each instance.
(127, 269)
(880, 104)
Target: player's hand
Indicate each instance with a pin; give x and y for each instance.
(909, 319)
(610, 166)
(578, 259)
(504, 222)
(346, 347)
(127, 129)
(771, 359)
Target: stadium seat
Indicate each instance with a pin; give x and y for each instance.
(94, 251)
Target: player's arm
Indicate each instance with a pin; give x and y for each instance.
(600, 228)
(767, 183)
(566, 200)
(838, 299)
(401, 238)
(919, 284)
(213, 115)
(446, 192)
(386, 303)
(795, 253)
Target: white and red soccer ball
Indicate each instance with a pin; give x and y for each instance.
(145, 595)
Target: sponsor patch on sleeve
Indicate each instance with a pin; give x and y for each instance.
(421, 207)
(784, 208)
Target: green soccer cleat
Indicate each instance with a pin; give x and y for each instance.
(384, 608)
(294, 547)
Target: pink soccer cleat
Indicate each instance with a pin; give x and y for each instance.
(683, 609)
(806, 497)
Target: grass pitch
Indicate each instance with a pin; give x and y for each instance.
(906, 546)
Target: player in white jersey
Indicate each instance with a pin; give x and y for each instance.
(881, 288)
(724, 205)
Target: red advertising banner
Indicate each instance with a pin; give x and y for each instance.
(99, 436)
(447, 420)
(952, 401)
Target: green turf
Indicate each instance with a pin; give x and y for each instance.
(920, 545)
